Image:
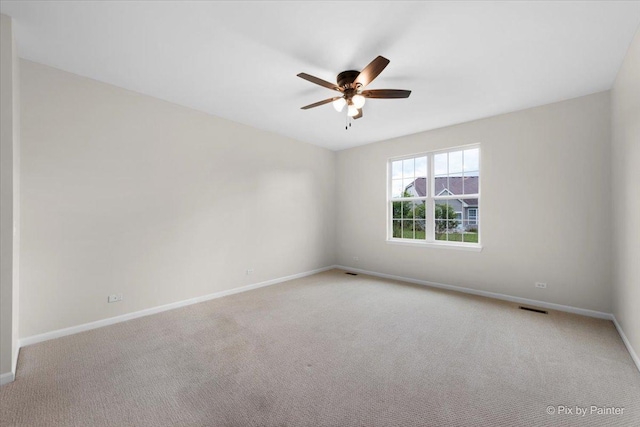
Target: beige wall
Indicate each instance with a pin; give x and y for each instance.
(625, 107)
(124, 193)
(9, 200)
(544, 209)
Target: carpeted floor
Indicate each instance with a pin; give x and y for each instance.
(330, 350)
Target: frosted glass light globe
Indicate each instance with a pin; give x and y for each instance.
(358, 101)
(339, 104)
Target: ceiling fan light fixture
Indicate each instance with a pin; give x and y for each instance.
(358, 101)
(352, 111)
(339, 104)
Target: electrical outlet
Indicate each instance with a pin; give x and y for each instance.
(114, 298)
(541, 285)
(249, 271)
(356, 259)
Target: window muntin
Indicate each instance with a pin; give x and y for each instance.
(434, 197)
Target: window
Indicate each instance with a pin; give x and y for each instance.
(434, 197)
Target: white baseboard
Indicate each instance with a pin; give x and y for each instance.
(627, 344)
(6, 378)
(11, 376)
(14, 361)
(129, 316)
(543, 304)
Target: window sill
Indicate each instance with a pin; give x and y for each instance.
(461, 247)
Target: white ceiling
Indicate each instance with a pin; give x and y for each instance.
(239, 60)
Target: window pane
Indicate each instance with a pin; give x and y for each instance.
(396, 210)
(408, 188)
(419, 210)
(418, 187)
(440, 229)
(407, 168)
(396, 169)
(440, 164)
(448, 216)
(397, 229)
(407, 210)
(455, 162)
(455, 185)
(470, 211)
(470, 183)
(396, 188)
(472, 160)
(441, 184)
(470, 233)
(420, 229)
(421, 167)
(407, 229)
(454, 236)
(470, 221)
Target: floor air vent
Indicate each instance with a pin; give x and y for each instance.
(535, 310)
(351, 274)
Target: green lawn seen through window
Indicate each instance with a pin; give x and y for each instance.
(458, 237)
(465, 237)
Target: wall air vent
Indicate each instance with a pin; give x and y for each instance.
(351, 274)
(535, 310)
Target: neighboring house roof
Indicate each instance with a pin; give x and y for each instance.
(454, 186)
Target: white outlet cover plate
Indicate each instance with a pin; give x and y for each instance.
(114, 298)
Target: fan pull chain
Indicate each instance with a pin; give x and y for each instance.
(347, 122)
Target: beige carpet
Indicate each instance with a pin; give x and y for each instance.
(330, 350)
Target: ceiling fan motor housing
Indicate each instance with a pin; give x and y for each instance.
(346, 78)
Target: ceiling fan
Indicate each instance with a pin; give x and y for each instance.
(352, 86)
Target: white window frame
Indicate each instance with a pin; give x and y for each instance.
(429, 200)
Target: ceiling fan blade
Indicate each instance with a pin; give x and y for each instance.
(319, 103)
(320, 82)
(372, 71)
(386, 93)
(357, 116)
